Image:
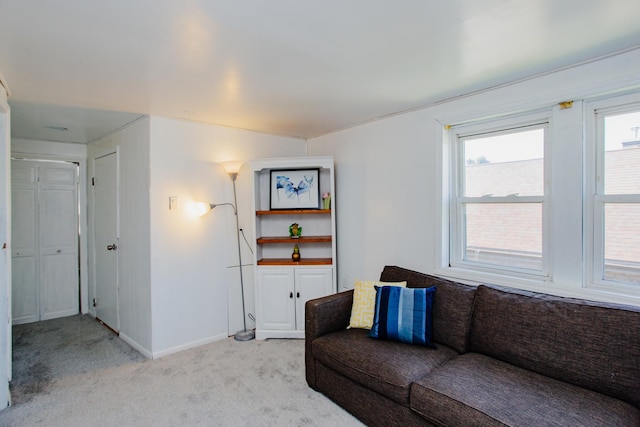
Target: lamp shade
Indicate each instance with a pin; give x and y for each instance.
(232, 168)
(201, 208)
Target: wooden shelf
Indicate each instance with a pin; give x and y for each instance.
(295, 212)
(287, 239)
(288, 261)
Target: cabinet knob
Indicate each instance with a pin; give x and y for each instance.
(298, 295)
(290, 294)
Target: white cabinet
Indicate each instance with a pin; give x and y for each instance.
(283, 285)
(281, 296)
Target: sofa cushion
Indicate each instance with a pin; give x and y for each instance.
(477, 390)
(452, 305)
(364, 300)
(593, 345)
(403, 315)
(388, 367)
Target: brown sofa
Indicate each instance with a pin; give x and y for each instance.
(504, 357)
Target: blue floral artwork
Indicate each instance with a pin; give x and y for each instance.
(295, 189)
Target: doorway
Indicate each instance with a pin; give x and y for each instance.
(45, 240)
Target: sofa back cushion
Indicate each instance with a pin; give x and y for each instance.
(452, 304)
(589, 344)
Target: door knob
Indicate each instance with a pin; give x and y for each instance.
(112, 247)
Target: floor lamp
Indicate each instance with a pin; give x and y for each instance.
(243, 335)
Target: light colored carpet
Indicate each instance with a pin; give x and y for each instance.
(226, 383)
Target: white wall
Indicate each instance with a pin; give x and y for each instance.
(388, 172)
(382, 175)
(134, 231)
(47, 150)
(194, 259)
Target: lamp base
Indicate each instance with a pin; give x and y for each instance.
(244, 335)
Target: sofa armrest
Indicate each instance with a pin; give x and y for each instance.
(322, 316)
(327, 314)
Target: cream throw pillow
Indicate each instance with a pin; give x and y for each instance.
(364, 301)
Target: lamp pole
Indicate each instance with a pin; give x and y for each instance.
(243, 335)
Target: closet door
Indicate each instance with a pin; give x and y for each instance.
(59, 278)
(25, 296)
(45, 263)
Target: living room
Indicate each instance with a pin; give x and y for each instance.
(391, 202)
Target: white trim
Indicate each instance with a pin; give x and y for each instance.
(146, 353)
(572, 195)
(83, 201)
(187, 346)
(538, 119)
(595, 199)
(5, 257)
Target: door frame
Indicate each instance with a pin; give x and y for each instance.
(5, 253)
(92, 223)
(82, 219)
(39, 160)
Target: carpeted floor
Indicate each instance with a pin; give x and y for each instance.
(45, 351)
(75, 372)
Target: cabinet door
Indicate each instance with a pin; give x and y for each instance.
(275, 294)
(311, 283)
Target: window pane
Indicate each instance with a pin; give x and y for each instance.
(507, 234)
(622, 242)
(622, 154)
(504, 164)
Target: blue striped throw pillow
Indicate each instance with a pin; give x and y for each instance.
(403, 314)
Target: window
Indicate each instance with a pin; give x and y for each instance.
(498, 215)
(616, 199)
(547, 201)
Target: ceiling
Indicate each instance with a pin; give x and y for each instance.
(290, 67)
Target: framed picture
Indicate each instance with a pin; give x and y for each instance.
(295, 189)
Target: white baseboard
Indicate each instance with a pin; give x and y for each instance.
(146, 353)
(193, 344)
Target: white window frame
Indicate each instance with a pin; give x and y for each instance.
(595, 199)
(535, 120)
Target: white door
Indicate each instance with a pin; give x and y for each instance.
(311, 283)
(58, 216)
(105, 191)
(275, 295)
(25, 295)
(45, 265)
